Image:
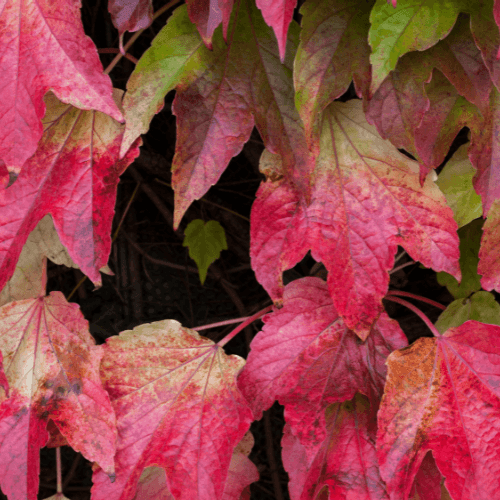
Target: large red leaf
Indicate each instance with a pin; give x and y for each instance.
(43, 46)
(73, 176)
(365, 200)
(306, 358)
(52, 366)
(177, 406)
(442, 394)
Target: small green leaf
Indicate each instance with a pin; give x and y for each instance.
(205, 242)
(470, 239)
(482, 306)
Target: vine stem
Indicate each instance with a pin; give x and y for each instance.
(417, 311)
(417, 297)
(245, 323)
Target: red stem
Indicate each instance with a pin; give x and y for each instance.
(417, 311)
(417, 297)
(220, 323)
(245, 323)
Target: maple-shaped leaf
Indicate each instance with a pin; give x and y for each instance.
(306, 358)
(333, 50)
(366, 200)
(52, 366)
(455, 181)
(73, 176)
(220, 95)
(205, 242)
(346, 461)
(442, 394)
(470, 238)
(43, 46)
(177, 406)
(412, 25)
(480, 306)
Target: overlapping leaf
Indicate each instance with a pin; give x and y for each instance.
(43, 46)
(52, 366)
(333, 50)
(442, 394)
(220, 95)
(73, 176)
(177, 406)
(412, 25)
(306, 358)
(365, 200)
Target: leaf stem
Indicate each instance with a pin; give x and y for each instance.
(238, 329)
(417, 311)
(136, 35)
(401, 267)
(417, 297)
(220, 323)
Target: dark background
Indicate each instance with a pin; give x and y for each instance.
(146, 288)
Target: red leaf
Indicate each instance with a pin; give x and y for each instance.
(306, 358)
(73, 176)
(442, 394)
(177, 406)
(366, 200)
(43, 46)
(52, 365)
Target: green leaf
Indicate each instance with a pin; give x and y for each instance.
(455, 181)
(470, 239)
(205, 242)
(482, 306)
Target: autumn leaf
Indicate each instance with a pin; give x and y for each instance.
(73, 176)
(366, 199)
(52, 366)
(209, 135)
(442, 394)
(43, 46)
(306, 358)
(177, 406)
